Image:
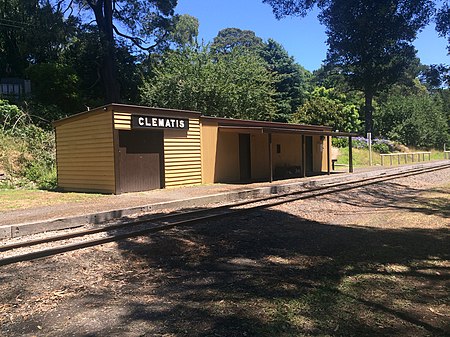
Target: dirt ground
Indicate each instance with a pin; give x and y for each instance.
(369, 262)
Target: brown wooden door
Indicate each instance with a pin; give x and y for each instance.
(140, 160)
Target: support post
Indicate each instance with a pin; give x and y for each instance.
(303, 157)
(270, 158)
(328, 155)
(369, 139)
(350, 155)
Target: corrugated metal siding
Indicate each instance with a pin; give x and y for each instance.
(182, 156)
(85, 154)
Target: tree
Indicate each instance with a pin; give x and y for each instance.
(327, 107)
(235, 85)
(20, 45)
(372, 42)
(185, 31)
(443, 23)
(229, 38)
(293, 80)
(369, 41)
(435, 76)
(146, 24)
(413, 117)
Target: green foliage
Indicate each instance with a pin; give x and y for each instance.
(185, 30)
(235, 85)
(381, 147)
(229, 38)
(327, 107)
(56, 84)
(33, 33)
(415, 119)
(370, 42)
(12, 118)
(340, 142)
(443, 23)
(27, 152)
(293, 80)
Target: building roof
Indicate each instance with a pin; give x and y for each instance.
(225, 124)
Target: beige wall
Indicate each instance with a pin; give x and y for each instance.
(291, 150)
(85, 153)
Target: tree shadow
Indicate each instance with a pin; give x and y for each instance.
(270, 273)
(398, 196)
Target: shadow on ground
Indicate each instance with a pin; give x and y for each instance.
(269, 273)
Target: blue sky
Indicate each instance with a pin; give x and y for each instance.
(303, 38)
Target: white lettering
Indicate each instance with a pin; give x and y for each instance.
(159, 122)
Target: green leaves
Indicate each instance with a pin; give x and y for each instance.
(235, 85)
(416, 119)
(327, 107)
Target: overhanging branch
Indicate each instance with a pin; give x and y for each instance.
(138, 42)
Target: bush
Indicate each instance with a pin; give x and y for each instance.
(340, 142)
(360, 143)
(380, 147)
(27, 152)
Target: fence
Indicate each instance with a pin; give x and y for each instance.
(446, 154)
(405, 156)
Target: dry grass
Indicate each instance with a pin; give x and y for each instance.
(21, 199)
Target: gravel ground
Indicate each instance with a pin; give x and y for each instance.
(372, 261)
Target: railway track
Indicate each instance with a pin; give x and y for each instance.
(57, 244)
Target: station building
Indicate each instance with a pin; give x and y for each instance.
(122, 148)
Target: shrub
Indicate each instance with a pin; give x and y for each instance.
(27, 152)
(360, 143)
(380, 147)
(340, 142)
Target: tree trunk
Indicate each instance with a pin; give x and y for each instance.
(368, 112)
(103, 17)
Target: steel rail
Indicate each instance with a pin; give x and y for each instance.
(159, 218)
(227, 211)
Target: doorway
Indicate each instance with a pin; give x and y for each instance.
(141, 160)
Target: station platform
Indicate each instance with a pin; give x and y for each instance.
(34, 220)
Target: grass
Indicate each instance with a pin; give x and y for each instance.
(21, 199)
(361, 157)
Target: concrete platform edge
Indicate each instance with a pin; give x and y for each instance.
(16, 230)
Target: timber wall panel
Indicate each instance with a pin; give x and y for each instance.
(85, 153)
(122, 121)
(182, 156)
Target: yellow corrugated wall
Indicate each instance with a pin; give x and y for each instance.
(182, 156)
(85, 153)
